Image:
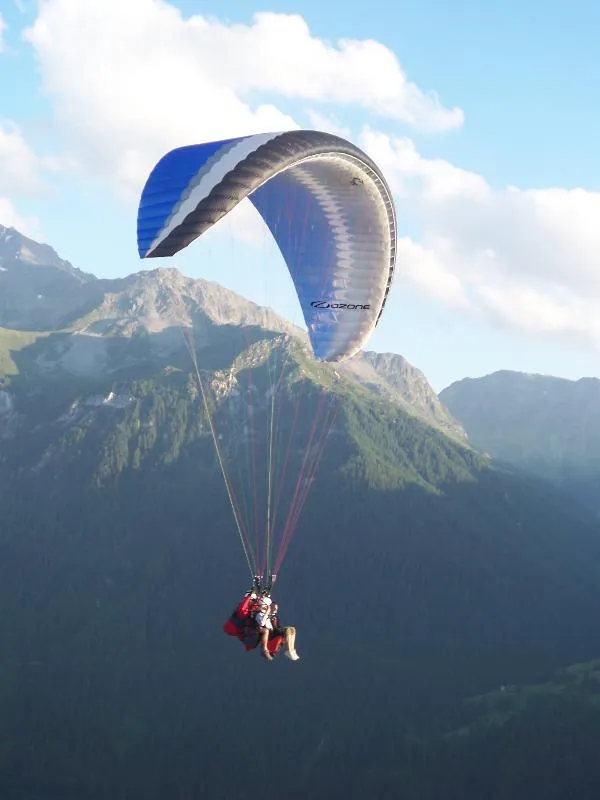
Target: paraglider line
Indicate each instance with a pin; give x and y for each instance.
(243, 537)
(275, 394)
(252, 455)
(286, 459)
(290, 528)
(294, 502)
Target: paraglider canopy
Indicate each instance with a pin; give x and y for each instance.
(325, 202)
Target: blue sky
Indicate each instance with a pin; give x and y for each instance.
(489, 277)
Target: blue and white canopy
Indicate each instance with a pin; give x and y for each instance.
(325, 202)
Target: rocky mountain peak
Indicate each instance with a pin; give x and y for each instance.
(17, 250)
(393, 375)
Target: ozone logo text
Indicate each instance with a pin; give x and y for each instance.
(340, 306)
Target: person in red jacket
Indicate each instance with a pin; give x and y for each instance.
(255, 621)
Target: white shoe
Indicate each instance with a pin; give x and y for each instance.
(292, 655)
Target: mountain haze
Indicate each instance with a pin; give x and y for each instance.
(546, 425)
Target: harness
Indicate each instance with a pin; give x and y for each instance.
(263, 586)
(242, 622)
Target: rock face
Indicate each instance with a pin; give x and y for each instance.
(392, 375)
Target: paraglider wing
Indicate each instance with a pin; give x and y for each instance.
(325, 202)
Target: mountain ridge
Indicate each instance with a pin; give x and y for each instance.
(542, 424)
(165, 301)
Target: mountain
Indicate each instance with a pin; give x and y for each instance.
(37, 287)
(419, 573)
(546, 425)
(42, 292)
(392, 376)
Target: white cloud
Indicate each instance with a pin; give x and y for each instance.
(525, 258)
(19, 175)
(425, 268)
(245, 224)
(11, 218)
(130, 80)
(277, 53)
(410, 175)
(328, 123)
(3, 27)
(19, 166)
(62, 163)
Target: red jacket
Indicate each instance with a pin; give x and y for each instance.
(241, 625)
(241, 617)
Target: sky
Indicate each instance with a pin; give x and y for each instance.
(483, 118)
